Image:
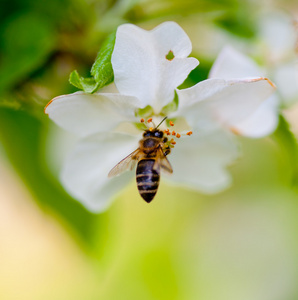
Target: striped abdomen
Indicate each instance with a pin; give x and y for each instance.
(147, 179)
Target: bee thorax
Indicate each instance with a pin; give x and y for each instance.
(149, 144)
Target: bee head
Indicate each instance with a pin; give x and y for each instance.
(153, 133)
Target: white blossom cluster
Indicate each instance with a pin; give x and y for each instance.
(235, 100)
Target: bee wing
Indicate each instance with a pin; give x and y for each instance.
(127, 163)
(163, 162)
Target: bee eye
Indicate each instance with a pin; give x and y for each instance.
(147, 133)
(158, 134)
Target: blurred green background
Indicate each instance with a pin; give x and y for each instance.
(240, 244)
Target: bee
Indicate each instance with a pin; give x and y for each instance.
(150, 158)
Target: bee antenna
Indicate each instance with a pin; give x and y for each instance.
(161, 122)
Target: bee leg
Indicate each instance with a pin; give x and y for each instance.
(167, 151)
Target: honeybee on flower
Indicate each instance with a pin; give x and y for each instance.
(150, 158)
(148, 67)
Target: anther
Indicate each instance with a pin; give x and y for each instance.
(149, 120)
(171, 123)
(151, 128)
(178, 135)
(173, 132)
(142, 120)
(189, 133)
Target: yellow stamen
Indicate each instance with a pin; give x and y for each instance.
(178, 135)
(173, 132)
(171, 123)
(142, 120)
(149, 120)
(151, 128)
(189, 133)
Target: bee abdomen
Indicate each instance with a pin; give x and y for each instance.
(147, 179)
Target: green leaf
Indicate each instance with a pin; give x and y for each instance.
(88, 85)
(27, 42)
(102, 70)
(75, 79)
(239, 20)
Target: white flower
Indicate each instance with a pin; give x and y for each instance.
(248, 114)
(148, 67)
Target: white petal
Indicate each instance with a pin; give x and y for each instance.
(232, 64)
(85, 114)
(85, 174)
(110, 88)
(220, 101)
(262, 122)
(286, 80)
(199, 161)
(140, 65)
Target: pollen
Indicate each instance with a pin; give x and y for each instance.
(149, 120)
(167, 131)
(178, 135)
(173, 132)
(142, 120)
(189, 133)
(171, 123)
(173, 142)
(151, 128)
